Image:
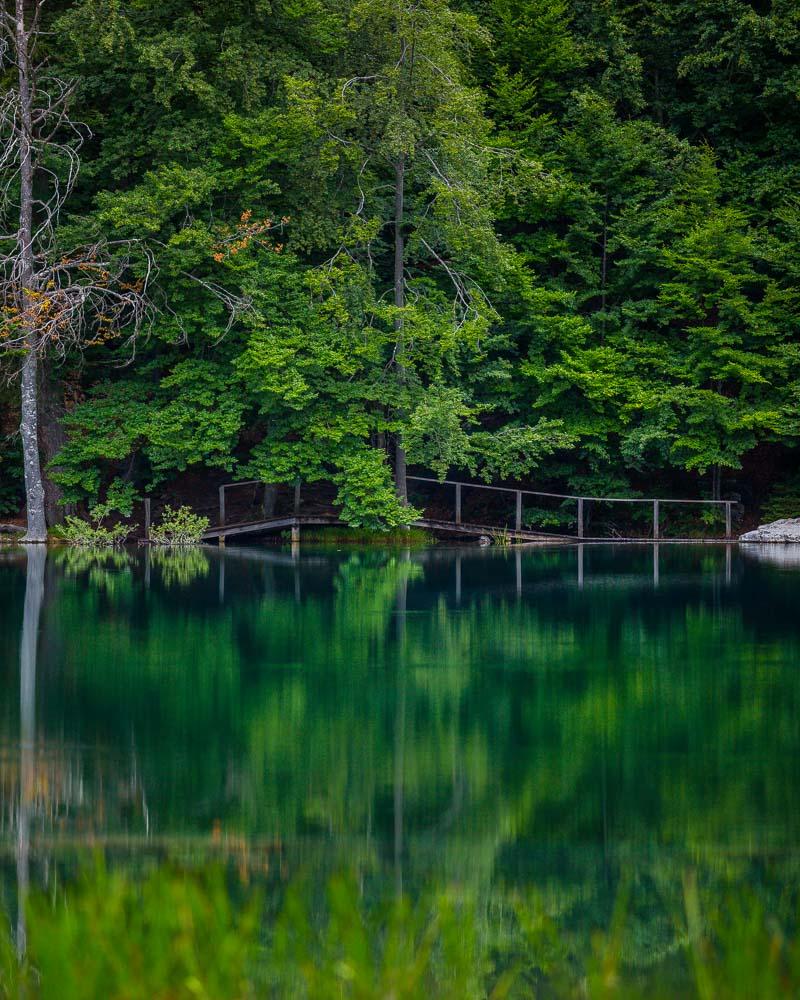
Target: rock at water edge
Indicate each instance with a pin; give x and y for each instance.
(785, 530)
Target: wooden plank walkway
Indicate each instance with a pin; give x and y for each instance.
(515, 531)
(295, 522)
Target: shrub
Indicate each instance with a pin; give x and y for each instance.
(179, 527)
(562, 517)
(784, 501)
(366, 493)
(501, 537)
(76, 531)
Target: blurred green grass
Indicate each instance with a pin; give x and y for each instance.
(175, 934)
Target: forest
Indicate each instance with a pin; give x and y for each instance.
(548, 242)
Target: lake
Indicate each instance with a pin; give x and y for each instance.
(570, 723)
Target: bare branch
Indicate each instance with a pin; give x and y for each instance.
(235, 305)
(93, 295)
(463, 301)
(358, 79)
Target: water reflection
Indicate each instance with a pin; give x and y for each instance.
(546, 718)
(776, 554)
(34, 594)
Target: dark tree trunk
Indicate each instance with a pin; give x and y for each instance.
(604, 265)
(401, 484)
(51, 440)
(716, 482)
(270, 499)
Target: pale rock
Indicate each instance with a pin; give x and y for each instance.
(785, 530)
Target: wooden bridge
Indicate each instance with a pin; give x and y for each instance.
(294, 522)
(512, 528)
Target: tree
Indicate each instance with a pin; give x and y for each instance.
(714, 369)
(52, 301)
(417, 179)
(493, 244)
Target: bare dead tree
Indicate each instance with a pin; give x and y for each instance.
(51, 301)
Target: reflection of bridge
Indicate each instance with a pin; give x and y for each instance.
(512, 528)
(295, 521)
(456, 558)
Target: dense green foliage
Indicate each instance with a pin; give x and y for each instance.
(599, 242)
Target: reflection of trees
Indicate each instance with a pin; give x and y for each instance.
(551, 738)
(107, 568)
(75, 560)
(539, 694)
(46, 788)
(179, 566)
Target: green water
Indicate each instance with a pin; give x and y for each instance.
(557, 721)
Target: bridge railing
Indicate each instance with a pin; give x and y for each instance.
(580, 501)
(251, 482)
(460, 486)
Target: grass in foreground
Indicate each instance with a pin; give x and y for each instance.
(178, 935)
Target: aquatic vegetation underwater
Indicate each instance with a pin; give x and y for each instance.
(180, 934)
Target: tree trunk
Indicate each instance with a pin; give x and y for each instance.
(34, 488)
(401, 484)
(716, 482)
(604, 265)
(270, 499)
(51, 440)
(29, 403)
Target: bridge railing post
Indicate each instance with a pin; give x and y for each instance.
(656, 526)
(221, 537)
(147, 519)
(518, 519)
(580, 518)
(728, 519)
(458, 503)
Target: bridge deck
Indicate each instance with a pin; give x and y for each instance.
(316, 520)
(269, 524)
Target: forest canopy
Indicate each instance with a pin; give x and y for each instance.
(550, 241)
